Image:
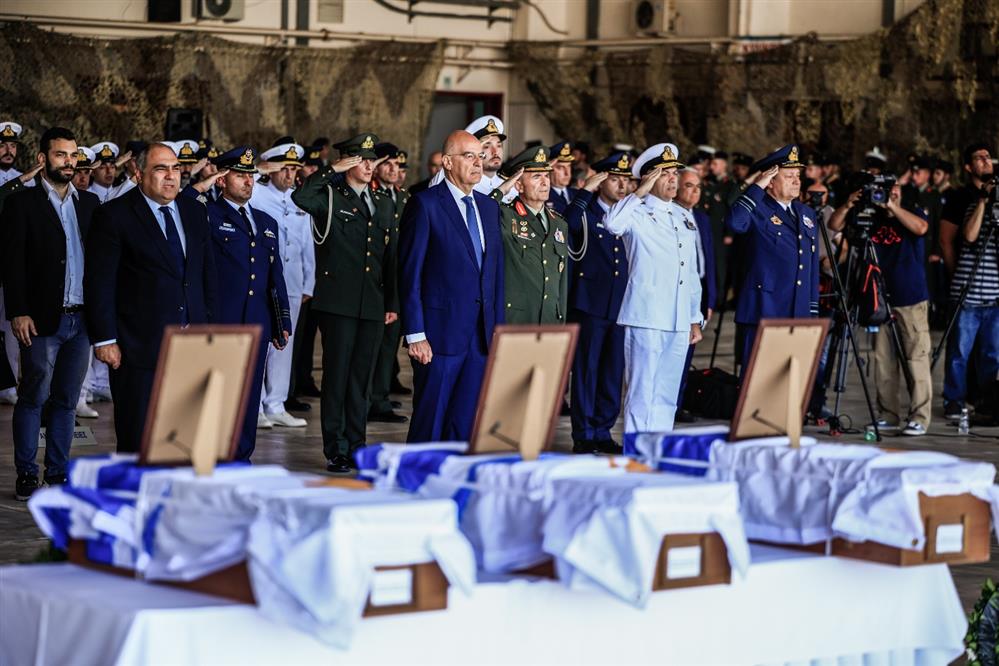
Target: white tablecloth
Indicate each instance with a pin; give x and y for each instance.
(791, 607)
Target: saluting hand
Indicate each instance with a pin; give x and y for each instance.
(198, 166)
(30, 175)
(205, 184)
(593, 182)
(508, 184)
(421, 352)
(123, 159)
(648, 180)
(767, 176)
(110, 354)
(346, 163)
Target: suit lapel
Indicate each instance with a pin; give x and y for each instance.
(451, 208)
(152, 228)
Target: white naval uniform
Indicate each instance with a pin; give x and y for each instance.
(298, 256)
(106, 194)
(486, 185)
(661, 302)
(11, 349)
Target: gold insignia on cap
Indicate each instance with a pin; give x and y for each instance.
(185, 150)
(566, 150)
(8, 131)
(314, 155)
(402, 158)
(623, 162)
(793, 155)
(368, 143)
(80, 155)
(292, 154)
(202, 145)
(246, 159)
(491, 127)
(106, 151)
(541, 156)
(212, 152)
(668, 154)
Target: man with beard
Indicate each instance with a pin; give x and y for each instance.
(149, 265)
(782, 263)
(104, 171)
(561, 159)
(10, 134)
(250, 273)
(535, 237)
(44, 229)
(661, 310)
(355, 295)
(595, 296)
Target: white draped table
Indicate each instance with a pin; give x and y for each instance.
(791, 608)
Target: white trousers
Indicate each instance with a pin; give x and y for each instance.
(97, 376)
(277, 371)
(654, 363)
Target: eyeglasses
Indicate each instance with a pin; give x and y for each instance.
(468, 155)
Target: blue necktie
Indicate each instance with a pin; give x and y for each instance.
(473, 229)
(173, 239)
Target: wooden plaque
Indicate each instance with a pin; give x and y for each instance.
(778, 379)
(522, 389)
(203, 378)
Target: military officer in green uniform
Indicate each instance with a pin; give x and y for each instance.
(535, 237)
(355, 295)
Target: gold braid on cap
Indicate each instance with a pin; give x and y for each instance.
(793, 155)
(368, 144)
(246, 159)
(623, 162)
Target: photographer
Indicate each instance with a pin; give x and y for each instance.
(897, 236)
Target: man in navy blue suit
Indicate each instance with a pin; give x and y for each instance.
(149, 264)
(595, 296)
(250, 277)
(451, 258)
(561, 159)
(688, 195)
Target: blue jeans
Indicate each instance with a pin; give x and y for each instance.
(52, 369)
(974, 322)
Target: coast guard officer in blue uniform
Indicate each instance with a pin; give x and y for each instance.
(782, 275)
(560, 158)
(661, 310)
(251, 287)
(595, 296)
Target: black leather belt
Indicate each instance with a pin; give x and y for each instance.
(71, 309)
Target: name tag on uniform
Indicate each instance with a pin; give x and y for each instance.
(776, 220)
(808, 222)
(559, 236)
(269, 233)
(600, 225)
(345, 212)
(226, 227)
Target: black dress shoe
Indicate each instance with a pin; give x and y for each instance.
(395, 404)
(295, 405)
(386, 417)
(399, 389)
(309, 390)
(609, 446)
(339, 464)
(684, 416)
(564, 411)
(584, 446)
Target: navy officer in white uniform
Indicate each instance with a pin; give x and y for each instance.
(661, 311)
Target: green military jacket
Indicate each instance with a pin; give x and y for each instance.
(357, 254)
(536, 264)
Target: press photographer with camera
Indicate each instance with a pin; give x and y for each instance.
(875, 213)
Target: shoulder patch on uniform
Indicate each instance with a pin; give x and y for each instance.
(520, 208)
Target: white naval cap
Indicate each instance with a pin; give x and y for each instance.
(9, 130)
(665, 155)
(84, 157)
(486, 126)
(186, 149)
(105, 151)
(706, 149)
(285, 153)
(876, 154)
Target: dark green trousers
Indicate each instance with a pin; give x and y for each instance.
(350, 348)
(386, 368)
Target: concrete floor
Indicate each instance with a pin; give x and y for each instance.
(301, 449)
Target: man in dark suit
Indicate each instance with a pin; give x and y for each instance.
(250, 273)
(149, 265)
(451, 257)
(433, 166)
(43, 263)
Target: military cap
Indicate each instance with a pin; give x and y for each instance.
(187, 151)
(922, 162)
(875, 158)
(282, 140)
(403, 159)
(617, 163)
(9, 131)
(313, 156)
(362, 145)
(784, 157)
(665, 155)
(945, 166)
(828, 159)
(742, 159)
(135, 147)
(84, 158)
(720, 155)
(532, 159)
(386, 149)
(105, 151)
(207, 150)
(486, 126)
(562, 151)
(241, 159)
(289, 154)
(705, 151)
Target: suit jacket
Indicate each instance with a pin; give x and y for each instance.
(444, 293)
(131, 287)
(709, 283)
(600, 277)
(34, 254)
(249, 268)
(782, 263)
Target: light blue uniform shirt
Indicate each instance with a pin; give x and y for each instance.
(72, 293)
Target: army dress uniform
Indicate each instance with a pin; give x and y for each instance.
(356, 263)
(536, 253)
(782, 255)
(598, 282)
(662, 300)
(251, 288)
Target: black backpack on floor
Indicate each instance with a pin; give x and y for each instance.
(711, 393)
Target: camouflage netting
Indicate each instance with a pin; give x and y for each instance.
(928, 83)
(121, 89)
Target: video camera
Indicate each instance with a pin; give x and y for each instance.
(875, 191)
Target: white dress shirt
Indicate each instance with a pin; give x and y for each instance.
(160, 220)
